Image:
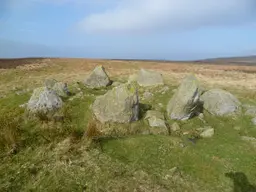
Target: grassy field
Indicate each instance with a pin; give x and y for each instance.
(40, 155)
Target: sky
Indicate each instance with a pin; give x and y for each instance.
(128, 29)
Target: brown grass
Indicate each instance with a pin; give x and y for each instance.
(31, 73)
(93, 130)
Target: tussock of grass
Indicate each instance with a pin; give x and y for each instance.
(10, 133)
(93, 130)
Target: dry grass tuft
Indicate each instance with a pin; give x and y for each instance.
(93, 129)
(10, 133)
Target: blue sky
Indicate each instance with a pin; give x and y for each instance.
(142, 29)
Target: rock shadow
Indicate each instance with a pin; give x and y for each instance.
(241, 183)
(143, 108)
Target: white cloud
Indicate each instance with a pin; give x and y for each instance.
(131, 16)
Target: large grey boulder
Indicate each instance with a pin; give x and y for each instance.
(185, 102)
(97, 78)
(149, 78)
(121, 105)
(220, 103)
(44, 100)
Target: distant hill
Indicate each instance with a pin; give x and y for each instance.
(247, 60)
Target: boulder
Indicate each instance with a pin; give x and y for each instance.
(44, 100)
(220, 103)
(149, 78)
(155, 119)
(185, 102)
(97, 78)
(60, 88)
(121, 105)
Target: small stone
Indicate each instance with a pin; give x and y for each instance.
(23, 105)
(175, 127)
(164, 90)
(251, 111)
(237, 128)
(246, 138)
(155, 119)
(147, 95)
(207, 133)
(160, 105)
(116, 83)
(251, 140)
(201, 116)
(254, 121)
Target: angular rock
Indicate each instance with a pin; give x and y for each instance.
(121, 105)
(207, 132)
(175, 127)
(61, 89)
(149, 78)
(155, 119)
(44, 101)
(185, 102)
(97, 78)
(220, 103)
